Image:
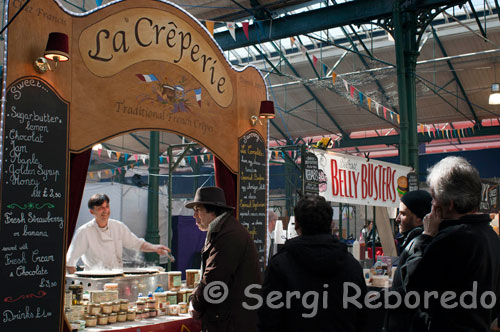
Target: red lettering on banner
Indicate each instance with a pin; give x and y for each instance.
(335, 181)
(342, 182)
(393, 186)
(364, 181)
(355, 177)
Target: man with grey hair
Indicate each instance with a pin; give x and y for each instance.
(456, 261)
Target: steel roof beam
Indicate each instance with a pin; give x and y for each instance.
(477, 19)
(352, 12)
(457, 79)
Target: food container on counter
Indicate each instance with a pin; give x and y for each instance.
(121, 317)
(102, 319)
(192, 278)
(172, 297)
(107, 307)
(90, 320)
(174, 280)
(131, 315)
(123, 305)
(141, 305)
(160, 297)
(183, 308)
(77, 291)
(112, 318)
(94, 309)
(68, 298)
(138, 314)
(151, 304)
(181, 295)
(153, 313)
(173, 310)
(115, 305)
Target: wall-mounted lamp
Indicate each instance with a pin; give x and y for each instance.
(266, 110)
(495, 94)
(56, 50)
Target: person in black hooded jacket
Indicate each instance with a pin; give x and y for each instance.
(307, 281)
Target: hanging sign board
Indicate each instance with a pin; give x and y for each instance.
(356, 180)
(489, 197)
(33, 207)
(311, 175)
(252, 190)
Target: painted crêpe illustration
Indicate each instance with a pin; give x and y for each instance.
(176, 96)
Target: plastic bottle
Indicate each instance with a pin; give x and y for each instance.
(150, 295)
(159, 289)
(356, 250)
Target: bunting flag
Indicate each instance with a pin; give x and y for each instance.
(91, 175)
(168, 160)
(292, 40)
(147, 78)
(113, 171)
(109, 153)
(391, 114)
(106, 171)
(136, 157)
(197, 92)
(315, 60)
(143, 158)
(303, 49)
(126, 157)
(99, 152)
(119, 170)
(98, 2)
(352, 92)
(385, 112)
(377, 106)
(325, 69)
(230, 27)
(346, 86)
(195, 159)
(99, 174)
(334, 77)
(209, 156)
(422, 128)
(369, 101)
(161, 160)
(360, 98)
(245, 29)
(398, 118)
(118, 154)
(210, 27)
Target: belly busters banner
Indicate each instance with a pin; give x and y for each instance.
(356, 180)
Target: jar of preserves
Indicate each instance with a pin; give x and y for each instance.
(115, 306)
(153, 313)
(122, 316)
(102, 319)
(90, 320)
(172, 297)
(174, 280)
(94, 309)
(183, 308)
(106, 307)
(112, 318)
(192, 278)
(77, 291)
(151, 304)
(123, 305)
(131, 315)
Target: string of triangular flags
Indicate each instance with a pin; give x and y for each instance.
(139, 159)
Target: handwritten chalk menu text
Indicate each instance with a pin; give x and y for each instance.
(33, 183)
(252, 186)
(311, 174)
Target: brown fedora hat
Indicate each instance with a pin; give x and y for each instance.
(209, 196)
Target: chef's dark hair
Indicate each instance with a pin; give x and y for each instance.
(97, 200)
(313, 215)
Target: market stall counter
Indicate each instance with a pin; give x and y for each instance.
(182, 323)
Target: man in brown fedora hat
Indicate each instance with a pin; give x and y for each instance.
(229, 262)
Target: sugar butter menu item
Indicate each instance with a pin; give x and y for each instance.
(252, 189)
(33, 180)
(311, 174)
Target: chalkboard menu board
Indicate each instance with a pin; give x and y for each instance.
(33, 181)
(489, 197)
(412, 181)
(252, 190)
(311, 174)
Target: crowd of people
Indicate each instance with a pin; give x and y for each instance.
(449, 259)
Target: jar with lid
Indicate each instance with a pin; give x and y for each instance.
(122, 316)
(116, 306)
(192, 278)
(110, 286)
(153, 312)
(94, 309)
(182, 295)
(77, 291)
(173, 310)
(90, 320)
(138, 314)
(112, 318)
(183, 308)
(102, 319)
(131, 314)
(151, 304)
(141, 305)
(174, 280)
(123, 305)
(106, 307)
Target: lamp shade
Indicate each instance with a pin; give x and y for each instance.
(495, 94)
(57, 46)
(266, 109)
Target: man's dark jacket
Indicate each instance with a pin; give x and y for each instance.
(229, 256)
(463, 258)
(399, 318)
(308, 263)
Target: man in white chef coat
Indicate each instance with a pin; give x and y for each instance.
(100, 242)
